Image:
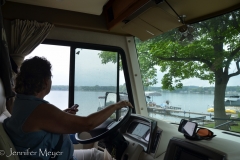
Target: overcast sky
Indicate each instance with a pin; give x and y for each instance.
(88, 62)
(88, 65)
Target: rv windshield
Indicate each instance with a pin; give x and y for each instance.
(196, 70)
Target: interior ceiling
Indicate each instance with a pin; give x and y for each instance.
(88, 14)
(191, 8)
(85, 6)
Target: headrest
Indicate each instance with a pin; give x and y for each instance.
(2, 98)
(3, 111)
(4, 115)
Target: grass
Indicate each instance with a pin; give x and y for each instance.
(233, 128)
(210, 125)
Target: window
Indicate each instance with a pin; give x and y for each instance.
(96, 81)
(96, 73)
(191, 69)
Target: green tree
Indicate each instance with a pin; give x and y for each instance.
(216, 45)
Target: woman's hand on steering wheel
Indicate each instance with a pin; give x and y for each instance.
(122, 104)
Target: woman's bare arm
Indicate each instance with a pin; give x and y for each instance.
(49, 118)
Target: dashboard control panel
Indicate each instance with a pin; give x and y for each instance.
(143, 131)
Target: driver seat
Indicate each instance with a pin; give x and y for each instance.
(6, 144)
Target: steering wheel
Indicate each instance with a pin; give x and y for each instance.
(105, 129)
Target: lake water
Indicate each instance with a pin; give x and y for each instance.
(187, 102)
(89, 102)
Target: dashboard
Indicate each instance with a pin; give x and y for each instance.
(154, 137)
(149, 138)
(143, 131)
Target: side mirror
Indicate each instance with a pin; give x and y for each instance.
(110, 98)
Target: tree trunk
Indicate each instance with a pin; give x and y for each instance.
(219, 106)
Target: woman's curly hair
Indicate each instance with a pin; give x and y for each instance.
(32, 76)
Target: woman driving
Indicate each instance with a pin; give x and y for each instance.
(38, 129)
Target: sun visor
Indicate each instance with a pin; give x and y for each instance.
(160, 19)
(139, 28)
(151, 23)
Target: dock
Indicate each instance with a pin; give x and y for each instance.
(201, 119)
(154, 109)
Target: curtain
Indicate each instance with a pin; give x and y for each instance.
(26, 36)
(5, 65)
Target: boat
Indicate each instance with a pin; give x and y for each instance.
(124, 96)
(103, 103)
(149, 98)
(152, 93)
(227, 110)
(153, 107)
(232, 100)
(232, 104)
